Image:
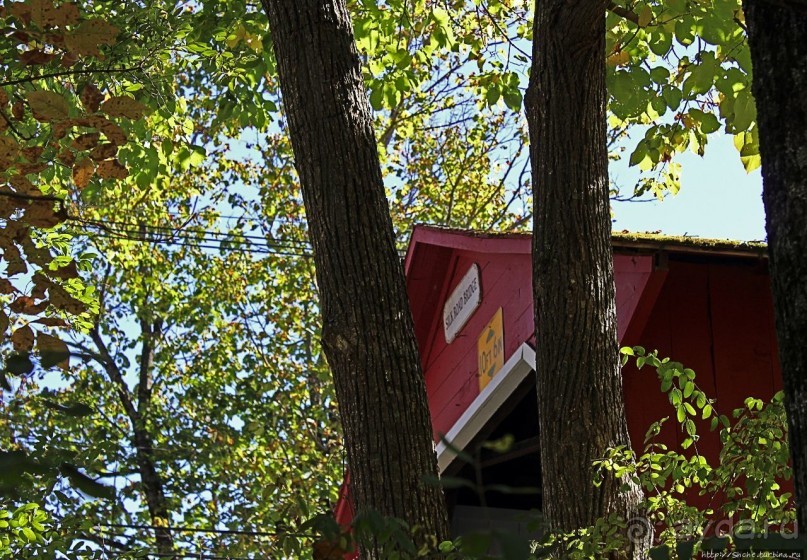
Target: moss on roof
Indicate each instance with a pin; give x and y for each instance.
(643, 240)
(701, 244)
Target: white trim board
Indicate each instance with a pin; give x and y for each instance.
(484, 406)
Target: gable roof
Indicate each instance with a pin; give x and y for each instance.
(520, 242)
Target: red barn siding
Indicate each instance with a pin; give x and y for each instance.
(452, 381)
(699, 306)
(716, 319)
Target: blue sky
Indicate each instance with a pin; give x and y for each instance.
(717, 199)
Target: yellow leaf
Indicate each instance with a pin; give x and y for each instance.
(66, 14)
(123, 106)
(112, 169)
(113, 132)
(618, 58)
(23, 339)
(85, 39)
(91, 97)
(86, 141)
(752, 162)
(254, 42)
(645, 16)
(234, 38)
(41, 214)
(52, 351)
(83, 171)
(9, 149)
(47, 105)
(104, 151)
(22, 185)
(41, 11)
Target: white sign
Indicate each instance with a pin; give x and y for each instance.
(462, 303)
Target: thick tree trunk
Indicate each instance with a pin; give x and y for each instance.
(368, 334)
(778, 38)
(581, 409)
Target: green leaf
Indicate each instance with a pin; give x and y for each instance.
(745, 111)
(689, 387)
(637, 157)
(512, 98)
(377, 98)
(492, 95)
(709, 123)
(702, 77)
(672, 96)
(645, 16)
(660, 41)
(660, 75)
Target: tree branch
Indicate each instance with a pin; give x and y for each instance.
(144, 385)
(623, 12)
(116, 377)
(64, 73)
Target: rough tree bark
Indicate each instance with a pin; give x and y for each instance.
(368, 334)
(777, 33)
(581, 408)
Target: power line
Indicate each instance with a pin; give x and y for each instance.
(207, 530)
(266, 249)
(196, 237)
(136, 228)
(198, 555)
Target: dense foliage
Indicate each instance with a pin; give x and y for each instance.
(156, 283)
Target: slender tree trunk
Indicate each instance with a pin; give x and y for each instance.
(152, 484)
(778, 37)
(368, 334)
(581, 408)
(153, 490)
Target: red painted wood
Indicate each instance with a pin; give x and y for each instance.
(713, 315)
(645, 403)
(631, 274)
(451, 370)
(742, 319)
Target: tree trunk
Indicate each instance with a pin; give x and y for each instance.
(778, 38)
(581, 408)
(152, 484)
(368, 334)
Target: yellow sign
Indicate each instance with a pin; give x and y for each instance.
(490, 349)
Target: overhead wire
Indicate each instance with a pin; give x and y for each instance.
(183, 236)
(193, 237)
(206, 555)
(207, 530)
